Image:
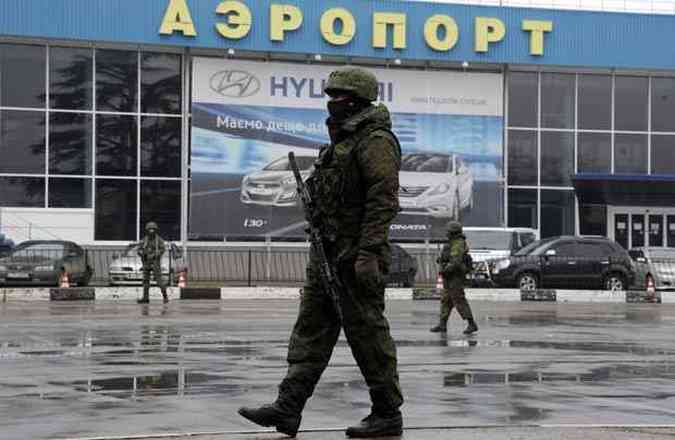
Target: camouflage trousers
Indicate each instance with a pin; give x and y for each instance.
(454, 297)
(317, 330)
(155, 269)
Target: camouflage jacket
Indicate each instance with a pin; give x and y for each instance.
(152, 250)
(355, 185)
(451, 261)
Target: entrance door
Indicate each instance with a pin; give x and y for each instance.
(634, 227)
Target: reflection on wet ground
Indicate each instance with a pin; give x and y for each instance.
(119, 369)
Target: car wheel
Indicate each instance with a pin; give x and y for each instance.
(409, 280)
(615, 282)
(527, 281)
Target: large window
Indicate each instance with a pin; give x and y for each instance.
(663, 154)
(595, 153)
(557, 158)
(631, 97)
(523, 99)
(523, 157)
(595, 102)
(663, 104)
(630, 154)
(557, 100)
(557, 213)
(84, 128)
(523, 208)
(22, 75)
(22, 142)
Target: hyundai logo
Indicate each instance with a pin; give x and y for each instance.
(235, 84)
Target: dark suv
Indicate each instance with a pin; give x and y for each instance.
(567, 262)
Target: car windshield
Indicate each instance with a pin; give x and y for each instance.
(41, 250)
(131, 251)
(283, 164)
(535, 248)
(491, 240)
(426, 163)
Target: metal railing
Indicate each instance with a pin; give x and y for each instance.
(270, 265)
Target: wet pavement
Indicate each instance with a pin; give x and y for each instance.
(89, 370)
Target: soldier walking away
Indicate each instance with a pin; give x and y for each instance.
(355, 191)
(151, 250)
(453, 266)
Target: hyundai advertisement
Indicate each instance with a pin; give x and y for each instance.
(247, 117)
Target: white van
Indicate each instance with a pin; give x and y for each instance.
(487, 244)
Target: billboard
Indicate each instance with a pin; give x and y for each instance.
(247, 116)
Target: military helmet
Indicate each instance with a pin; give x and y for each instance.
(151, 225)
(454, 227)
(354, 80)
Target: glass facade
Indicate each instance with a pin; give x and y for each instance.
(100, 129)
(561, 124)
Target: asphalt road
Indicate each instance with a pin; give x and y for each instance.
(118, 369)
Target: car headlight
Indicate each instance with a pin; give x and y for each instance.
(44, 268)
(288, 181)
(440, 189)
(500, 265)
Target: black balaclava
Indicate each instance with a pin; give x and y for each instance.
(341, 108)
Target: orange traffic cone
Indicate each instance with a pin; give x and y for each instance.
(439, 282)
(64, 283)
(182, 279)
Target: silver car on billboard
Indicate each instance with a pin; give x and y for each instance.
(435, 184)
(127, 268)
(274, 185)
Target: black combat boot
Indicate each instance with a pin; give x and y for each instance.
(471, 327)
(378, 425)
(272, 415)
(440, 328)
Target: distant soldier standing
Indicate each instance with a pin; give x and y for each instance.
(355, 187)
(453, 267)
(151, 250)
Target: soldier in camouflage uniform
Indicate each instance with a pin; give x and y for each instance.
(151, 250)
(454, 271)
(355, 186)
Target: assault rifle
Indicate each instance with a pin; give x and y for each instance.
(329, 278)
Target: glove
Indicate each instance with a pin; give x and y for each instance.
(367, 268)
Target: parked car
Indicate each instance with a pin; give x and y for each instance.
(567, 262)
(403, 267)
(275, 185)
(655, 264)
(489, 244)
(127, 268)
(43, 262)
(434, 184)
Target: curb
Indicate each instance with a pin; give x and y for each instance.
(557, 296)
(227, 293)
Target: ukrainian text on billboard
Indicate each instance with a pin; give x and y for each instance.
(247, 116)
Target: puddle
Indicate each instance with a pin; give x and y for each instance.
(173, 382)
(603, 374)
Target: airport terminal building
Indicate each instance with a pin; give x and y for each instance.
(117, 112)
